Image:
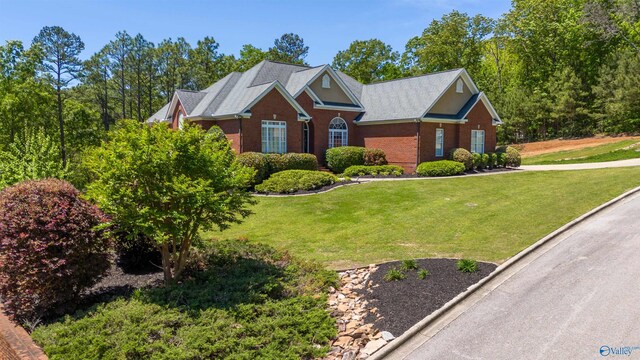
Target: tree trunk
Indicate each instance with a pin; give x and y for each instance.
(63, 152)
(166, 263)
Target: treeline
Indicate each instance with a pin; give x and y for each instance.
(557, 68)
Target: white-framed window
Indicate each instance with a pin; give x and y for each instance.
(459, 86)
(338, 133)
(477, 141)
(326, 81)
(180, 120)
(439, 142)
(274, 136)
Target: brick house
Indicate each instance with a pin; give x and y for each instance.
(276, 107)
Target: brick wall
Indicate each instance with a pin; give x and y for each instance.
(320, 119)
(15, 343)
(398, 141)
(479, 119)
(428, 140)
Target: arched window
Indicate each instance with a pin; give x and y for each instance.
(338, 133)
(180, 120)
(459, 86)
(326, 81)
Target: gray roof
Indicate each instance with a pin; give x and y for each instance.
(406, 98)
(400, 99)
(161, 115)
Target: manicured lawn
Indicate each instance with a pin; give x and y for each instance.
(488, 218)
(607, 152)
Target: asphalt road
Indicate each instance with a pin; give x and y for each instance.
(579, 298)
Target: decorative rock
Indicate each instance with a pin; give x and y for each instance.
(373, 346)
(387, 336)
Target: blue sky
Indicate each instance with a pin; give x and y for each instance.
(326, 26)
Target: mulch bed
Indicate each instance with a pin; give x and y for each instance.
(414, 176)
(401, 304)
(302, 192)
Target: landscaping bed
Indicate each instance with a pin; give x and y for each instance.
(403, 303)
(307, 192)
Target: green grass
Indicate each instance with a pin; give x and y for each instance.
(489, 218)
(607, 152)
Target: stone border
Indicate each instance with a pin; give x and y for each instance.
(431, 320)
(15, 342)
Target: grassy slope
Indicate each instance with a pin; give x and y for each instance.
(487, 218)
(600, 153)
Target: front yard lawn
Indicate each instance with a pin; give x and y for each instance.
(626, 149)
(489, 218)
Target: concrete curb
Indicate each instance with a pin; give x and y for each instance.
(438, 314)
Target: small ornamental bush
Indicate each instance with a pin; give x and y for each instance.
(50, 249)
(467, 265)
(409, 264)
(500, 159)
(340, 158)
(511, 156)
(290, 181)
(423, 273)
(485, 161)
(462, 156)
(394, 274)
(374, 157)
(256, 161)
(300, 161)
(477, 160)
(362, 170)
(493, 160)
(440, 168)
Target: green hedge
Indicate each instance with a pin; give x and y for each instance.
(300, 161)
(511, 156)
(477, 161)
(258, 162)
(267, 164)
(462, 156)
(440, 168)
(362, 170)
(340, 158)
(290, 181)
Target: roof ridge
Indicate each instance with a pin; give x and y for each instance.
(192, 91)
(410, 77)
(285, 63)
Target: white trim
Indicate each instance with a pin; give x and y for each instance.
(281, 143)
(311, 94)
(464, 75)
(460, 86)
(276, 84)
(485, 100)
(326, 81)
(344, 133)
(338, 81)
(441, 143)
(337, 107)
(484, 139)
(444, 121)
(382, 122)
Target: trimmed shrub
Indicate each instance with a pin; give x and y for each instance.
(275, 163)
(49, 248)
(374, 157)
(300, 161)
(362, 170)
(462, 156)
(512, 156)
(290, 181)
(340, 158)
(256, 161)
(500, 159)
(493, 160)
(485, 161)
(440, 168)
(477, 160)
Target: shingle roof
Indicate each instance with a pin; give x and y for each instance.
(160, 115)
(407, 98)
(400, 99)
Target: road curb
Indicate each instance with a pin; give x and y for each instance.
(446, 308)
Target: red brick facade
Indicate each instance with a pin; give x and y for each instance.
(406, 144)
(15, 343)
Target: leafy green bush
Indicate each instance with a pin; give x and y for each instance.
(290, 181)
(477, 160)
(492, 160)
(485, 161)
(440, 168)
(50, 250)
(300, 161)
(462, 156)
(501, 159)
(238, 300)
(167, 185)
(467, 265)
(409, 264)
(35, 157)
(394, 274)
(362, 170)
(256, 161)
(340, 158)
(423, 273)
(374, 157)
(275, 163)
(511, 156)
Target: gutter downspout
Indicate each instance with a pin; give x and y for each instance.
(418, 125)
(239, 117)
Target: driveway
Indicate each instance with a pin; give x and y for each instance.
(575, 300)
(596, 165)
